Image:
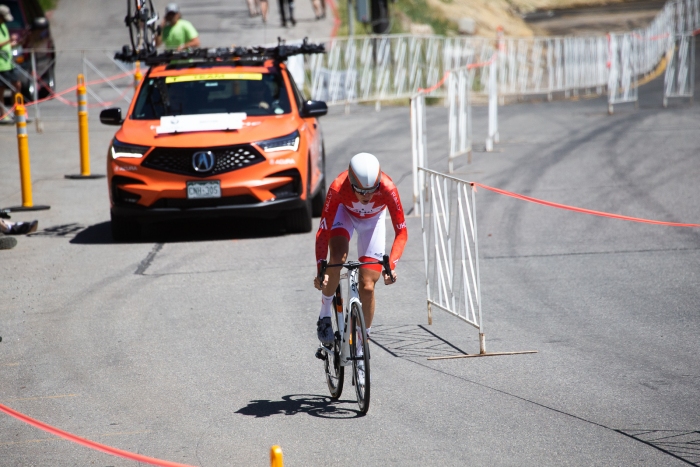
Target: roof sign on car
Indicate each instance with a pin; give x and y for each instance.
(203, 122)
(214, 76)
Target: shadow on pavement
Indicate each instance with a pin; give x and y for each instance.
(411, 341)
(186, 231)
(316, 406)
(681, 444)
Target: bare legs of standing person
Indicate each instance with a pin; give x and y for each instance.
(253, 8)
(263, 9)
(319, 8)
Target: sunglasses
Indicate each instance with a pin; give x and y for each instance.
(364, 192)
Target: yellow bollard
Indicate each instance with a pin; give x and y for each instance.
(83, 132)
(25, 174)
(138, 76)
(23, 146)
(83, 128)
(276, 457)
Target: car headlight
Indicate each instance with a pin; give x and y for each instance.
(120, 150)
(284, 143)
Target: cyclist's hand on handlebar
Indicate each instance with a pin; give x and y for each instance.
(317, 282)
(387, 279)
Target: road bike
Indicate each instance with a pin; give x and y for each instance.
(351, 346)
(142, 21)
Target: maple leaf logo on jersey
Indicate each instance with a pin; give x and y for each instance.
(365, 209)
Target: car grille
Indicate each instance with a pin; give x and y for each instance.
(179, 161)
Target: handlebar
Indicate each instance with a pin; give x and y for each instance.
(354, 265)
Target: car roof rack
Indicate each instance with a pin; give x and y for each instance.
(279, 53)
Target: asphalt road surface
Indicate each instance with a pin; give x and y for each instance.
(198, 346)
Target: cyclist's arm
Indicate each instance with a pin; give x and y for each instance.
(330, 207)
(399, 223)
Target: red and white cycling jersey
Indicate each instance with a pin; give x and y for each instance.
(341, 193)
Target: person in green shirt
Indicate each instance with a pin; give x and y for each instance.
(8, 75)
(177, 33)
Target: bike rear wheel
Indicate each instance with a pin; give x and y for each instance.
(150, 26)
(360, 363)
(143, 25)
(335, 372)
(132, 22)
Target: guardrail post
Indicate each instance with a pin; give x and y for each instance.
(24, 164)
(493, 107)
(23, 148)
(35, 95)
(276, 459)
(83, 133)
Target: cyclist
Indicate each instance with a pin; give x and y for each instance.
(357, 201)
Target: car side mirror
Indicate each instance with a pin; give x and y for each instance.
(313, 109)
(40, 23)
(112, 116)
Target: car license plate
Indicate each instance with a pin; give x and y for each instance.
(204, 189)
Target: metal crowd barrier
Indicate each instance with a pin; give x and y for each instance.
(679, 79)
(49, 74)
(419, 144)
(451, 248)
(624, 63)
(459, 84)
(376, 68)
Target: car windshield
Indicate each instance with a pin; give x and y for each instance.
(209, 93)
(17, 17)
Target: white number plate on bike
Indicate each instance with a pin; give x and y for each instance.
(211, 189)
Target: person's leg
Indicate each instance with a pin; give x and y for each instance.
(370, 247)
(251, 8)
(4, 110)
(341, 232)
(291, 13)
(339, 244)
(282, 13)
(20, 228)
(263, 10)
(317, 8)
(368, 278)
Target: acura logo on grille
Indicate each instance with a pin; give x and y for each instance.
(203, 161)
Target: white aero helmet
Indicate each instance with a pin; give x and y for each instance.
(364, 172)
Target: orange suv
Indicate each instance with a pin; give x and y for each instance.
(217, 133)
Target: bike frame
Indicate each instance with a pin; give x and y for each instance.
(353, 269)
(344, 324)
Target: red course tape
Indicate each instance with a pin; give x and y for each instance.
(87, 442)
(582, 210)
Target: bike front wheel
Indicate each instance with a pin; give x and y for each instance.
(132, 22)
(150, 26)
(359, 352)
(335, 372)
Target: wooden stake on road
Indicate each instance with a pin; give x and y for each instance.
(488, 354)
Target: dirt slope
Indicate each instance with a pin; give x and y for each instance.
(489, 14)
